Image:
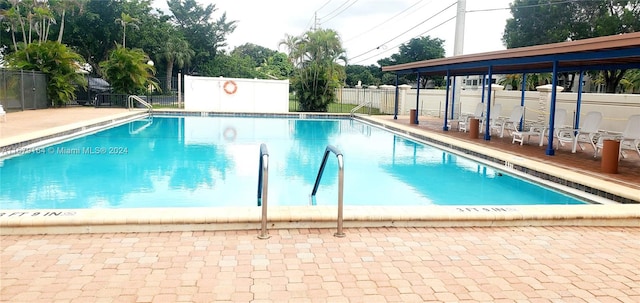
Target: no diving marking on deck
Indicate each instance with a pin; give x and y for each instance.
(484, 209)
(17, 214)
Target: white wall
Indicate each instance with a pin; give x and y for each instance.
(615, 108)
(251, 95)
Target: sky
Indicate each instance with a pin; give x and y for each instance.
(370, 29)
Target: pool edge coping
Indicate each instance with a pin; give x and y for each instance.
(283, 217)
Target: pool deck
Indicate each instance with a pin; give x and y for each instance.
(442, 254)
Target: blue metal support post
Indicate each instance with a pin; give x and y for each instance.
(446, 104)
(395, 110)
(417, 99)
(482, 98)
(552, 109)
(453, 97)
(524, 88)
(579, 101)
(487, 127)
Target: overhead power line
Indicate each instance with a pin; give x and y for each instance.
(325, 4)
(384, 22)
(527, 6)
(336, 9)
(382, 44)
(392, 48)
(340, 12)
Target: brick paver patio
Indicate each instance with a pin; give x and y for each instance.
(535, 264)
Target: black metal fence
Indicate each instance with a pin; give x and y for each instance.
(369, 101)
(167, 96)
(22, 90)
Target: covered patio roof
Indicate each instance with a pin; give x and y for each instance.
(609, 52)
(602, 53)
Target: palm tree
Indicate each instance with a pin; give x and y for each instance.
(319, 74)
(44, 18)
(178, 52)
(631, 81)
(126, 20)
(128, 71)
(62, 7)
(291, 43)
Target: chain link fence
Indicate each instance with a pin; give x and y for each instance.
(23, 90)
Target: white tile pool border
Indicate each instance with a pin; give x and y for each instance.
(248, 218)
(279, 217)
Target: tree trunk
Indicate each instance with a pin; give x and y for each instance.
(612, 79)
(169, 74)
(569, 80)
(61, 27)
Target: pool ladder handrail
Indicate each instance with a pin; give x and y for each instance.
(263, 185)
(332, 149)
(361, 105)
(132, 98)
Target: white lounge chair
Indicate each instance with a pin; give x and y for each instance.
(3, 114)
(510, 123)
(559, 121)
(541, 131)
(463, 124)
(494, 115)
(629, 138)
(586, 133)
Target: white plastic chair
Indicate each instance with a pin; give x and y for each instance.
(541, 130)
(510, 123)
(494, 115)
(586, 133)
(3, 114)
(463, 124)
(559, 121)
(629, 138)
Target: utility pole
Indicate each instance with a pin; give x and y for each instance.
(458, 47)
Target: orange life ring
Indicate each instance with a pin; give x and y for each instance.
(232, 90)
(229, 134)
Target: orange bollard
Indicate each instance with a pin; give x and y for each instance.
(412, 116)
(474, 128)
(610, 153)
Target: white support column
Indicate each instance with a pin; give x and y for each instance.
(458, 49)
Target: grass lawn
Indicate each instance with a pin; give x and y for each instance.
(337, 108)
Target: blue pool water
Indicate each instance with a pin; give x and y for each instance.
(213, 161)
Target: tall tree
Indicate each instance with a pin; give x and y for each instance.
(290, 42)
(319, 73)
(259, 54)
(176, 52)
(417, 49)
(124, 21)
(204, 35)
(127, 70)
(62, 6)
(537, 22)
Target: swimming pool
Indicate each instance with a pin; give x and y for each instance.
(213, 161)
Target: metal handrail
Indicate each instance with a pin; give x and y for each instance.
(263, 185)
(332, 149)
(133, 98)
(361, 105)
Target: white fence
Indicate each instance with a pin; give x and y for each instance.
(616, 108)
(236, 95)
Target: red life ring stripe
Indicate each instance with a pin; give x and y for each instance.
(230, 87)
